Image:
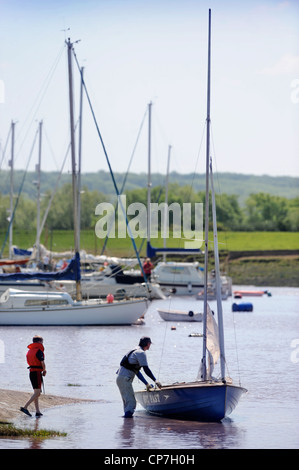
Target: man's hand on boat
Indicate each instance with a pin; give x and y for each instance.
(150, 387)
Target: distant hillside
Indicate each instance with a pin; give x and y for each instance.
(225, 183)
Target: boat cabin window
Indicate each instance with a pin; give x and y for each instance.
(45, 302)
(176, 270)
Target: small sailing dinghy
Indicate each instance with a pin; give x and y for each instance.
(206, 399)
(180, 315)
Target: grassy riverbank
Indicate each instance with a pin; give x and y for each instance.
(261, 263)
(63, 240)
(279, 271)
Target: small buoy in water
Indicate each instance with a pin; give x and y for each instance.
(195, 335)
(110, 298)
(173, 327)
(243, 307)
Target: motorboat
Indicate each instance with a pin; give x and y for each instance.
(179, 278)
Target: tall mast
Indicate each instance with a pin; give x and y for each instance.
(204, 368)
(73, 154)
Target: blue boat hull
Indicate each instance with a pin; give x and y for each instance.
(195, 401)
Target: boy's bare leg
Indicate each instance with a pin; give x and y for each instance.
(34, 398)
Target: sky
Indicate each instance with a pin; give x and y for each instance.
(139, 51)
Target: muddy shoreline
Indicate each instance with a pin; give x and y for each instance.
(11, 400)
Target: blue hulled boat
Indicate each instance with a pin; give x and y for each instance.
(193, 401)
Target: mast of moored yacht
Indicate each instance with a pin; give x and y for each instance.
(204, 349)
(73, 154)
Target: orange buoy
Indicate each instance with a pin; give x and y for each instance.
(110, 298)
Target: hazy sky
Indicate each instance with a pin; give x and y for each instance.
(137, 51)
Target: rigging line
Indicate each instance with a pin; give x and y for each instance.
(218, 183)
(19, 194)
(226, 243)
(5, 146)
(39, 98)
(126, 176)
(162, 351)
(54, 190)
(151, 217)
(194, 173)
(180, 241)
(109, 166)
(50, 147)
(199, 151)
(236, 343)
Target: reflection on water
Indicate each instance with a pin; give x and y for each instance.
(88, 426)
(88, 357)
(174, 434)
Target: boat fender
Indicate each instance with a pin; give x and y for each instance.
(190, 313)
(243, 307)
(110, 298)
(237, 295)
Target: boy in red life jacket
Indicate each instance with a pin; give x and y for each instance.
(36, 362)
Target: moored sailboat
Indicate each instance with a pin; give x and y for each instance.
(54, 308)
(206, 399)
(180, 315)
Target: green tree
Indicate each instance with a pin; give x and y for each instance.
(266, 212)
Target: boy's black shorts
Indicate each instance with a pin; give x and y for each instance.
(36, 379)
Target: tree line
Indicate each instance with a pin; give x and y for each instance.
(261, 211)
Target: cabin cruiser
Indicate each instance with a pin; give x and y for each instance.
(179, 278)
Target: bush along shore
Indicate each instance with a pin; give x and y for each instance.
(9, 430)
(264, 269)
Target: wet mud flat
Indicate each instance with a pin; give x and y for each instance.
(12, 400)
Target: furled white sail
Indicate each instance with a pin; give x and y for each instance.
(213, 347)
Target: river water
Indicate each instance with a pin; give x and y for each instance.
(262, 349)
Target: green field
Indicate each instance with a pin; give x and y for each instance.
(232, 241)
